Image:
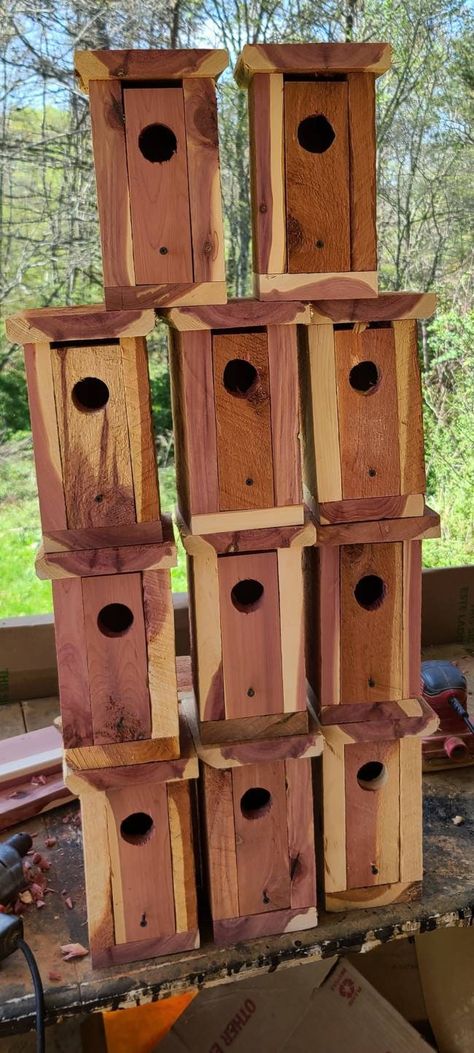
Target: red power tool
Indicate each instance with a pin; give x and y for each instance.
(444, 687)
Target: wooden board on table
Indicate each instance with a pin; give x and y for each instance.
(220, 842)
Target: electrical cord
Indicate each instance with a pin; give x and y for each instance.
(39, 995)
(461, 712)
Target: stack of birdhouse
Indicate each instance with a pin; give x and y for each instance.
(300, 478)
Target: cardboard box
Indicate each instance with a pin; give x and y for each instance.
(448, 606)
(327, 1007)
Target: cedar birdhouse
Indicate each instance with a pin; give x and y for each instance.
(154, 132)
(312, 154)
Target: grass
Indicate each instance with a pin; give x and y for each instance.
(21, 592)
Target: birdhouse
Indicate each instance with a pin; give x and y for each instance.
(362, 419)
(234, 374)
(247, 630)
(140, 886)
(364, 644)
(312, 156)
(258, 819)
(116, 667)
(371, 835)
(154, 133)
(89, 396)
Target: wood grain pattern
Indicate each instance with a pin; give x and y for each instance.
(159, 195)
(118, 675)
(159, 532)
(195, 423)
(372, 508)
(261, 540)
(411, 811)
(386, 307)
(317, 184)
(182, 856)
(70, 324)
(248, 519)
(46, 450)
(411, 617)
(262, 841)
(291, 603)
(371, 639)
(376, 896)
(220, 843)
(327, 484)
(242, 312)
(206, 643)
(329, 626)
(113, 194)
(300, 819)
(141, 439)
(410, 412)
(95, 452)
(341, 285)
(334, 812)
(372, 817)
(202, 145)
(237, 930)
(267, 173)
(367, 722)
(27, 800)
(126, 754)
(373, 531)
(139, 950)
(243, 423)
(97, 561)
(168, 294)
(312, 58)
(368, 421)
(100, 918)
(362, 151)
(285, 420)
(139, 868)
(73, 672)
(251, 648)
(149, 64)
(160, 647)
(253, 731)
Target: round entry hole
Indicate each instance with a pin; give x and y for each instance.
(90, 394)
(364, 377)
(246, 595)
(240, 377)
(372, 776)
(157, 143)
(255, 802)
(316, 134)
(370, 592)
(115, 619)
(137, 828)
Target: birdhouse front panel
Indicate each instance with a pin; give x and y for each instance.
(371, 836)
(313, 152)
(363, 449)
(158, 180)
(259, 838)
(116, 668)
(236, 418)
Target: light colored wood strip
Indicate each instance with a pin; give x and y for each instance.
(166, 294)
(410, 412)
(372, 816)
(322, 366)
(411, 817)
(291, 595)
(194, 411)
(73, 672)
(376, 896)
(261, 838)
(411, 617)
(159, 194)
(341, 285)
(267, 167)
(329, 617)
(206, 634)
(123, 754)
(39, 378)
(362, 152)
(182, 856)
(249, 738)
(334, 812)
(97, 868)
(299, 803)
(220, 843)
(284, 399)
(248, 519)
(141, 438)
(160, 644)
(207, 231)
(371, 636)
(113, 195)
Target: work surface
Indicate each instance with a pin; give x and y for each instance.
(448, 899)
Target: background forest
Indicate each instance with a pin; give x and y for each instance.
(49, 232)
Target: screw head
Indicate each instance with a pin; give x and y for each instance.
(320, 244)
(163, 251)
(372, 472)
(249, 482)
(262, 207)
(99, 498)
(250, 692)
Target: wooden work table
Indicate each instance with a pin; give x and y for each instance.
(448, 900)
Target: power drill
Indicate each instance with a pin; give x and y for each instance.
(12, 882)
(444, 687)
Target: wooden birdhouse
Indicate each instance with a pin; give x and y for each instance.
(234, 373)
(89, 396)
(362, 420)
(154, 133)
(364, 622)
(247, 627)
(371, 832)
(140, 886)
(258, 827)
(116, 665)
(312, 155)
